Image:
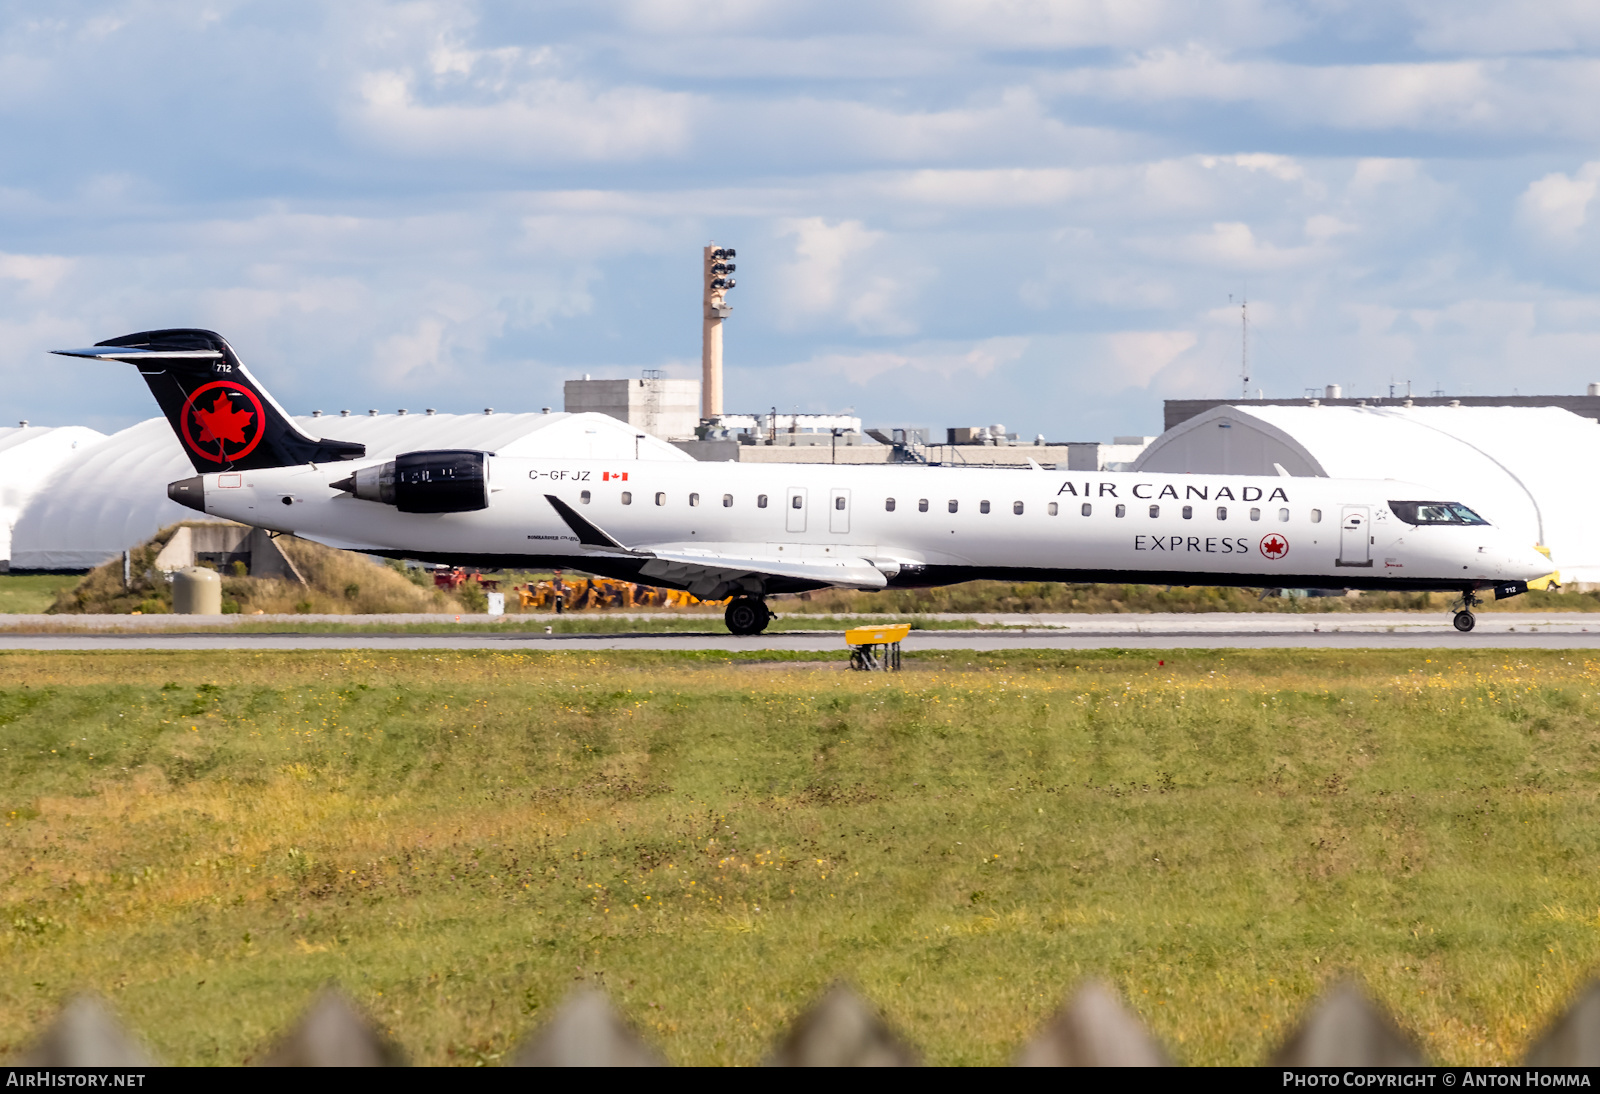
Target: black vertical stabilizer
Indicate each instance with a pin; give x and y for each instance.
(224, 419)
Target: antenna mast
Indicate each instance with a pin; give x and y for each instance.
(1244, 347)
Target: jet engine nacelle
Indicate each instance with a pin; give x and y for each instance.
(443, 481)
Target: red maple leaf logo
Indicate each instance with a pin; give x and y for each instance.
(1274, 546)
(222, 422)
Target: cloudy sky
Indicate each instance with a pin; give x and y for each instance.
(1033, 212)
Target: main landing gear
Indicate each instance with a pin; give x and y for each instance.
(747, 615)
(1465, 620)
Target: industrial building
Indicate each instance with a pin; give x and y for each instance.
(661, 407)
(29, 456)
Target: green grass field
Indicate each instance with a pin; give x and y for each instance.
(32, 592)
(458, 839)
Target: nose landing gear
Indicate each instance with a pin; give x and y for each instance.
(747, 615)
(1464, 619)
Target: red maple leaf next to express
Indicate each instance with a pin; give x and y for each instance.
(222, 422)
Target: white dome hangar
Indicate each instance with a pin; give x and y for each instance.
(110, 493)
(1527, 469)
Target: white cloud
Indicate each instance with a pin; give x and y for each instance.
(991, 188)
(1323, 227)
(1081, 24)
(541, 121)
(415, 354)
(1498, 27)
(1557, 205)
(1283, 168)
(1231, 245)
(1473, 95)
(1141, 355)
(40, 273)
(831, 276)
(912, 364)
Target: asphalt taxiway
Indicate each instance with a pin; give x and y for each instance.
(1495, 630)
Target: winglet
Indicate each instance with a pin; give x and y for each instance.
(588, 534)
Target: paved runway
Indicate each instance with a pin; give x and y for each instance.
(1498, 630)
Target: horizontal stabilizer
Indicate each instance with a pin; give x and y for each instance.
(134, 353)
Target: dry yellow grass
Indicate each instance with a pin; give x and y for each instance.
(337, 582)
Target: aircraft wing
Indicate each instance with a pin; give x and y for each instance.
(713, 573)
(724, 571)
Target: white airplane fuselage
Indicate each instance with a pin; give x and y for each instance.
(912, 525)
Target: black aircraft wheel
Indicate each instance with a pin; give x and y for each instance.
(747, 615)
(1465, 621)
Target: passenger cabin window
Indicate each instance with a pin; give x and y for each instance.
(954, 505)
(1255, 514)
(796, 502)
(838, 502)
(1222, 512)
(1155, 511)
(1188, 512)
(1316, 516)
(1434, 512)
(922, 505)
(727, 501)
(584, 497)
(1283, 514)
(1122, 510)
(1052, 509)
(983, 507)
(661, 499)
(888, 505)
(1087, 508)
(694, 499)
(627, 497)
(761, 501)
(1016, 507)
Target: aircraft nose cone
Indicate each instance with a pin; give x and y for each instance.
(1531, 564)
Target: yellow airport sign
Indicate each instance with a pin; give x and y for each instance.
(872, 636)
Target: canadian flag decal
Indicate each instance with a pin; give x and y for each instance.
(607, 476)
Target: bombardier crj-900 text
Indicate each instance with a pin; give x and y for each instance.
(746, 531)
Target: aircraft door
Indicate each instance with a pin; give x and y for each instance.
(1355, 537)
(794, 509)
(838, 510)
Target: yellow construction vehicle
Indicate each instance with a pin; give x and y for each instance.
(597, 593)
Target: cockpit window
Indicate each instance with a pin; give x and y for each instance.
(1434, 512)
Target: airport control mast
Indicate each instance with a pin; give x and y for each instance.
(717, 281)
